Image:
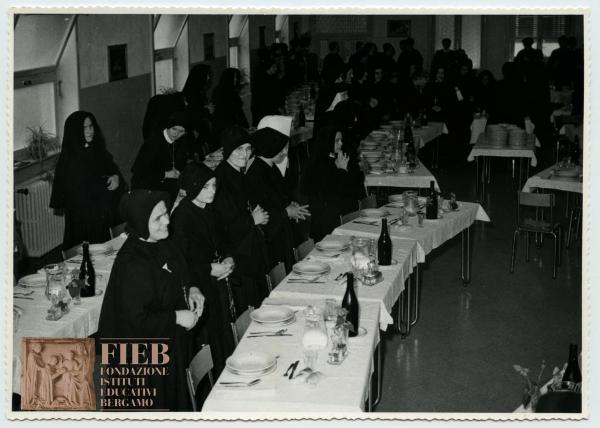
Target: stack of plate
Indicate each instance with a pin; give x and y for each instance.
(378, 135)
(496, 135)
(517, 137)
(567, 172)
(332, 246)
(374, 212)
(251, 364)
(312, 268)
(36, 280)
(272, 315)
(369, 145)
(396, 201)
(396, 123)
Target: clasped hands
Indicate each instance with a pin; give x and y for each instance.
(297, 212)
(188, 318)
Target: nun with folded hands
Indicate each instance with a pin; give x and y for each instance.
(150, 293)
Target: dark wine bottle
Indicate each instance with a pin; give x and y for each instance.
(431, 211)
(572, 377)
(350, 303)
(87, 273)
(384, 245)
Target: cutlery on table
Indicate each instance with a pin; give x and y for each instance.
(283, 330)
(396, 220)
(268, 335)
(23, 297)
(240, 384)
(368, 223)
(303, 281)
(315, 279)
(293, 365)
(23, 293)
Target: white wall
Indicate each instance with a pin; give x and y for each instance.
(33, 106)
(67, 75)
(181, 60)
(97, 32)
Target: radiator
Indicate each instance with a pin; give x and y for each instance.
(42, 231)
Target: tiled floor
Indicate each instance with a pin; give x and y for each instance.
(460, 354)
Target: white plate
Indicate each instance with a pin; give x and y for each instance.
(567, 172)
(374, 212)
(251, 363)
(398, 197)
(311, 268)
(331, 246)
(95, 249)
(292, 320)
(36, 280)
(396, 204)
(271, 314)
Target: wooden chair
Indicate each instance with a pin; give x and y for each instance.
(239, 327)
(275, 276)
(368, 202)
(346, 218)
(117, 230)
(71, 252)
(200, 366)
(304, 249)
(540, 203)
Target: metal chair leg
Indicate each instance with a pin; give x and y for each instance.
(577, 223)
(514, 251)
(378, 388)
(569, 232)
(555, 255)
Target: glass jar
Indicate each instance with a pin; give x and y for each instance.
(411, 202)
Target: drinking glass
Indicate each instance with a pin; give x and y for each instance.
(55, 280)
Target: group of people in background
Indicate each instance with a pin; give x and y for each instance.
(232, 225)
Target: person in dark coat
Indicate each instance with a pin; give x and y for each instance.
(195, 231)
(444, 58)
(267, 189)
(162, 157)
(484, 90)
(409, 56)
(85, 182)
(333, 64)
(241, 222)
(336, 182)
(160, 107)
(199, 107)
(268, 95)
(228, 103)
(508, 105)
(151, 295)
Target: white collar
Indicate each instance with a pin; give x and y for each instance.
(166, 135)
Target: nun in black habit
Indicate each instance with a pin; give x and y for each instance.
(150, 293)
(199, 106)
(335, 182)
(242, 224)
(267, 189)
(162, 157)
(85, 182)
(196, 233)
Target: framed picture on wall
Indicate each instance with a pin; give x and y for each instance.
(117, 62)
(398, 28)
(209, 46)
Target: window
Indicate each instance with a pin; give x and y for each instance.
(543, 29)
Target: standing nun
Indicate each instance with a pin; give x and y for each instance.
(162, 157)
(84, 181)
(195, 232)
(151, 295)
(241, 222)
(267, 188)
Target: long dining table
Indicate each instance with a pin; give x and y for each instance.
(80, 321)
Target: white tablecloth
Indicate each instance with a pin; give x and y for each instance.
(343, 389)
(421, 177)
(527, 151)
(547, 180)
(385, 294)
(81, 321)
(433, 233)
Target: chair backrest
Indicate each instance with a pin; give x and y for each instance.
(537, 203)
(368, 202)
(349, 217)
(239, 327)
(117, 230)
(275, 276)
(303, 249)
(71, 252)
(200, 366)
